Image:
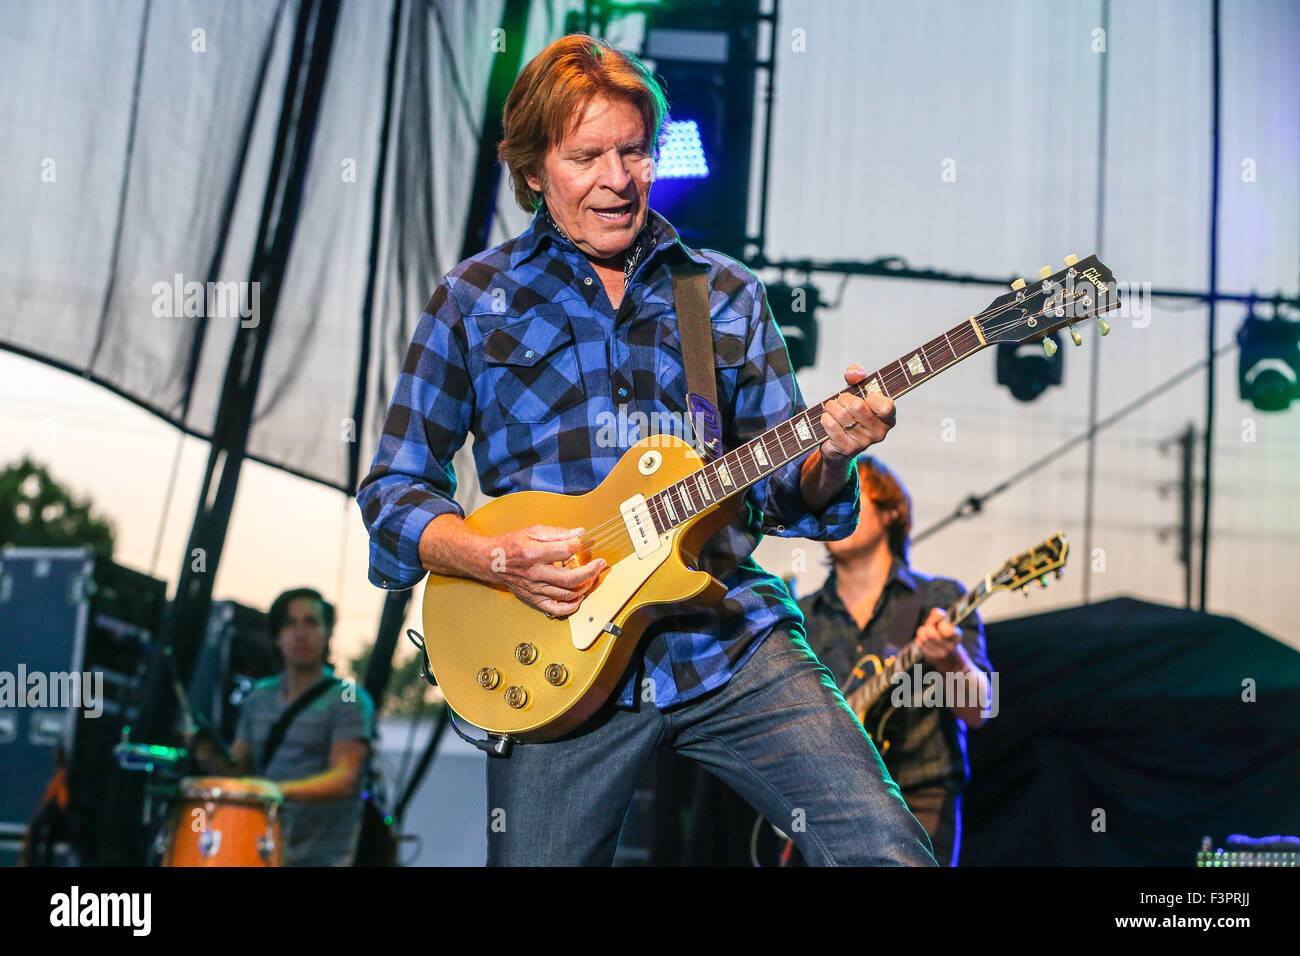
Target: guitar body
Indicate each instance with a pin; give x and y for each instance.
(875, 715)
(508, 668)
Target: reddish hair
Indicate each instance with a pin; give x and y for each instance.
(551, 95)
(883, 487)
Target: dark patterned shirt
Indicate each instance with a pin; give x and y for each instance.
(927, 744)
(520, 346)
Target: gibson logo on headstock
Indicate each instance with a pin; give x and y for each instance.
(1092, 275)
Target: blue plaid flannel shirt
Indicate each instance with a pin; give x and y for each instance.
(520, 346)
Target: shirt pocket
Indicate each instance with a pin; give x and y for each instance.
(532, 365)
(729, 334)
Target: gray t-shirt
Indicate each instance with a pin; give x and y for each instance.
(314, 834)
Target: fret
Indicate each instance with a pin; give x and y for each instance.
(765, 453)
(951, 350)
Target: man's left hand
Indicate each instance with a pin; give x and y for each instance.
(938, 636)
(854, 424)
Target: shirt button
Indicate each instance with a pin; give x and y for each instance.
(587, 281)
(529, 354)
(622, 393)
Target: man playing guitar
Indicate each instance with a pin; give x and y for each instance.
(530, 346)
(873, 603)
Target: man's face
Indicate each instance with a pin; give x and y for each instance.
(597, 182)
(302, 638)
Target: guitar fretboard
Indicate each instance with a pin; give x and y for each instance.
(761, 456)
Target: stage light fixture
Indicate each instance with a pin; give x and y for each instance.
(1026, 370)
(681, 152)
(1268, 363)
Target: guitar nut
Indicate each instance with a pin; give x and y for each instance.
(526, 653)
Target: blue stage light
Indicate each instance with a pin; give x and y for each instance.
(681, 153)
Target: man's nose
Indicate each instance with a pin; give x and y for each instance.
(613, 170)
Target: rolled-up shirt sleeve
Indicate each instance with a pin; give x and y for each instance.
(411, 479)
(767, 395)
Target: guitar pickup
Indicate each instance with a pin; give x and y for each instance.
(640, 526)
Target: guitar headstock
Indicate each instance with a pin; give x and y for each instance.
(1030, 311)
(1036, 563)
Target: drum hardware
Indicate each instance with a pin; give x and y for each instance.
(209, 843)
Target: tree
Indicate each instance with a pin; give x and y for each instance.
(37, 511)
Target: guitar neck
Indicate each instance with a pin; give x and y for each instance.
(865, 697)
(758, 458)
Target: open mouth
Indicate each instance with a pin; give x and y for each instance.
(614, 215)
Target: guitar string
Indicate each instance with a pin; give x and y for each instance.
(608, 531)
(611, 531)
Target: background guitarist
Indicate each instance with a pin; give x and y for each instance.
(530, 346)
(873, 603)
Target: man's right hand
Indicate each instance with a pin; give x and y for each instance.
(525, 561)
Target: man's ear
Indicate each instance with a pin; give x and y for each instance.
(535, 183)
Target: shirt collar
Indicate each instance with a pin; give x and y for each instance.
(658, 233)
(829, 595)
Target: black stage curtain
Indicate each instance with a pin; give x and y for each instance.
(1140, 711)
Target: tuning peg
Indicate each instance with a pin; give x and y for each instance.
(1049, 347)
(1018, 285)
(1042, 582)
(1025, 590)
(1060, 573)
(1071, 259)
(1044, 272)
(1075, 336)
(1103, 325)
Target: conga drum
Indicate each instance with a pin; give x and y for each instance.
(225, 821)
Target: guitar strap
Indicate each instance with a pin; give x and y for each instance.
(281, 726)
(691, 300)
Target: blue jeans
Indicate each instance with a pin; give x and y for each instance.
(779, 733)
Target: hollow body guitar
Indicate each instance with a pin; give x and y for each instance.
(511, 670)
(867, 685)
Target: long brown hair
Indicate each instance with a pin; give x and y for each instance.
(882, 486)
(551, 95)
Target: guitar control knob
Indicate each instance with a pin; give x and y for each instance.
(516, 696)
(526, 653)
(488, 678)
(556, 674)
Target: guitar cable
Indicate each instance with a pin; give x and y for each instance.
(494, 745)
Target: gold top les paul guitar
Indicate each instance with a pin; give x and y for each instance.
(509, 669)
